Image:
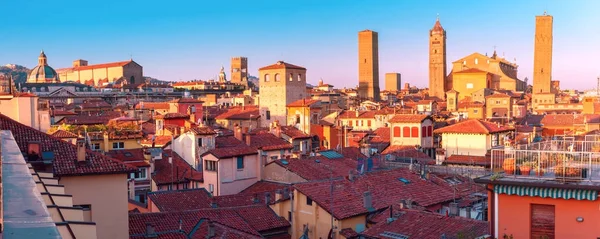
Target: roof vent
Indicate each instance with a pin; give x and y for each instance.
(368, 200)
(211, 230)
(317, 161)
(150, 233)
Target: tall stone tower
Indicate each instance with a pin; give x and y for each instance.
(280, 84)
(437, 61)
(239, 70)
(542, 55)
(368, 65)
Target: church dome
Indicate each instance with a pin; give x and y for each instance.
(42, 73)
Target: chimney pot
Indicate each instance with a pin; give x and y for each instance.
(248, 139)
(211, 230)
(367, 200)
(267, 197)
(81, 151)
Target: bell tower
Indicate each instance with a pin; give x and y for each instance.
(437, 61)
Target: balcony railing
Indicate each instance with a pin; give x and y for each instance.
(549, 164)
(563, 145)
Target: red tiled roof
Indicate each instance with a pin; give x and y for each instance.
(204, 130)
(244, 113)
(229, 152)
(173, 116)
(148, 128)
(319, 167)
(264, 186)
(227, 141)
(164, 173)
(303, 102)
(293, 132)
(153, 105)
(473, 126)
(468, 160)
(352, 153)
(268, 141)
(349, 233)
(131, 157)
(84, 120)
(96, 66)
(560, 120)
(410, 223)
(281, 65)
(407, 151)
(385, 187)
(62, 113)
(408, 118)
(159, 141)
(61, 134)
(65, 154)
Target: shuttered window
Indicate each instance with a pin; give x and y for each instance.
(415, 132)
(396, 131)
(542, 221)
(406, 132)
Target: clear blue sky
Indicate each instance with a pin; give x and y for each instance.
(184, 40)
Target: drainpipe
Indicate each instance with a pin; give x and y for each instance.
(491, 210)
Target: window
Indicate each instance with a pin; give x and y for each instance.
(240, 162)
(277, 78)
(308, 201)
(211, 188)
(118, 145)
(469, 85)
(299, 77)
(396, 131)
(268, 115)
(542, 221)
(350, 123)
(476, 61)
(290, 216)
(95, 146)
(210, 165)
(406, 132)
(495, 140)
(199, 142)
(423, 131)
(497, 102)
(297, 119)
(475, 111)
(429, 131)
(273, 158)
(267, 78)
(291, 77)
(369, 123)
(415, 132)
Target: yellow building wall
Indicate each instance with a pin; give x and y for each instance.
(467, 83)
(465, 144)
(85, 75)
(114, 73)
(476, 112)
(275, 95)
(99, 74)
(498, 103)
(107, 195)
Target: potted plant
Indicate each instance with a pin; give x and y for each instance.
(509, 166)
(539, 171)
(525, 168)
(567, 170)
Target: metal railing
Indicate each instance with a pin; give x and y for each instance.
(550, 161)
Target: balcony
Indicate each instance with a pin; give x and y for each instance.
(559, 161)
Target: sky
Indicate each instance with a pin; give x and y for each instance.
(186, 40)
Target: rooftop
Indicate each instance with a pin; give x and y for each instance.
(473, 126)
(281, 65)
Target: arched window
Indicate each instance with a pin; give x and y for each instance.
(476, 61)
(423, 131)
(267, 77)
(299, 77)
(397, 131)
(277, 78)
(291, 76)
(131, 80)
(415, 132)
(406, 132)
(429, 131)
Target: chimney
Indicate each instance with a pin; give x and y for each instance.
(368, 200)
(255, 199)
(150, 231)
(356, 112)
(147, 155)
(211, 230)
(267, 198)
(468, 212)
(80, 151)
(105, 140)
(278, 195)
(351, 176)
(213, 203)
(402, 204)
(277, 129)
(131, 186)
(237, 132)
(248, 139)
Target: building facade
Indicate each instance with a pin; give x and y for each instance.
(97, 75)
(393, 82)
(280, 84)
(368, 65)
(437, 61)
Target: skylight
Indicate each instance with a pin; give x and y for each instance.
(404, 180)
(393, 235)
(128, 154)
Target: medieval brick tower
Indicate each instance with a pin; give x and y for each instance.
(542, 62)
(368, 65)
(239, 70)
(542, 55)
(437, 62)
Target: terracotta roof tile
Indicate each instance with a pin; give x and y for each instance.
(131, 157)
(62, 134)
(352, 153)
(410, 223)
(293, 132)
(239, 113)
(281, 65)
(268, 141)
(385, 187)
(173, 116)
(319, 167)
(303, 102)
(96, 66)
(408, 118)
(164, 173)
(473, 126)
(65, 160)
(407, 151)
(264, 186)
(62, 113)
(203, 130)
(229, 152)
(153, 105)
(468, 160)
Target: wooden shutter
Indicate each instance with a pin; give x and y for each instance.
(542, 221)
(397, 131)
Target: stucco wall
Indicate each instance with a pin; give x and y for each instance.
(107, 195)
(465, 144)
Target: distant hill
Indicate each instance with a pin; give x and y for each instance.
(253, 81)
(154, 80)
(19, 73)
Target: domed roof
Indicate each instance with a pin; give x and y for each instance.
(42, 73)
